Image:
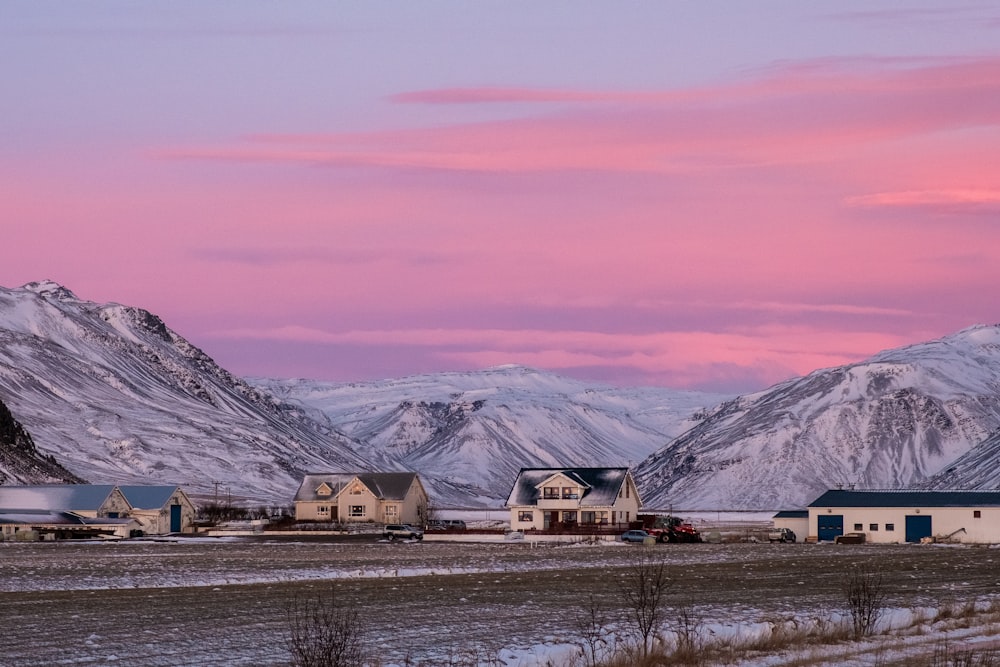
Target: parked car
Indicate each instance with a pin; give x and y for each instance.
(781, 535)
(445, 524)
(394, 530)
(635, 536)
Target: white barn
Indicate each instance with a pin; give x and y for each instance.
(906, 515)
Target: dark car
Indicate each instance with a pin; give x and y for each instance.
(635, 536)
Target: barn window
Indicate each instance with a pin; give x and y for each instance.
(977, 514)
(859, 527)
(873, 526)
(890, 527)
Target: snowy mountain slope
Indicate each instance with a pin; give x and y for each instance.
(20, 461)
(470, 433)
(118, 397)
(894, 420)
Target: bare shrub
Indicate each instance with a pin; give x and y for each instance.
(324, 633)
(591, 620)
(864, 595)
(643, 589)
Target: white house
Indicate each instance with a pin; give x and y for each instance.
(907, 515)
(543, 498)
(379, 497)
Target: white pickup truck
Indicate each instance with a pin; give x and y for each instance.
(781, 535)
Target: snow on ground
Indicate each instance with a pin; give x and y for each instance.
(222, 601)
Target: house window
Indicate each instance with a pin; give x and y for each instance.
(859, 527)
(569, 517)
(550, 493)
(525, 517)
(977, 514)
(873, 527)
(356, 490)
(323, 510)
(890, 527)
(357, 510)
(323, 490)
(588, 517)
(601, 517)
(569, 493)
(391, 511)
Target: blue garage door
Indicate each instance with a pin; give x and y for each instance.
(175, 518)
(917, 526)
(829, 527)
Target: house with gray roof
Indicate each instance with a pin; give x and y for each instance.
(907, 515)
(544, 498)
(379, 497)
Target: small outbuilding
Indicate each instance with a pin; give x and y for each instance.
(160, 510)
(906, 515)
(796, 521)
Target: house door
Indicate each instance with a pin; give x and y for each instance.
(917, 526)
(829, 527)
(175, 518)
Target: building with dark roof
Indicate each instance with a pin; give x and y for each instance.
(543, 498)
(380, 497)
(907, 515)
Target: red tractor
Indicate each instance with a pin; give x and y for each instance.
(669, 528)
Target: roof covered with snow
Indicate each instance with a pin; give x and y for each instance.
(907, 498)
(600, 485)
(383, 485)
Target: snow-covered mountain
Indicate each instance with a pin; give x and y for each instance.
(20, 460)
(117, 397)
(468, 434)
(894, 420)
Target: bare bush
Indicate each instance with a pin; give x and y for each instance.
(591, 620)
(324, 633)
(864, 595)
(643, 589)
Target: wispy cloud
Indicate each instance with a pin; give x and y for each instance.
(950, 200)
(799, 112)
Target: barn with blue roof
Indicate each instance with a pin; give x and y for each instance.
(907, 515)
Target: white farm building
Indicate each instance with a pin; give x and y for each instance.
(905, 515)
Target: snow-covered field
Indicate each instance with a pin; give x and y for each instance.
(225, 601)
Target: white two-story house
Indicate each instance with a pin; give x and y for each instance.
(545, 497)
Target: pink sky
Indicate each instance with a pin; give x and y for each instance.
(715, 197)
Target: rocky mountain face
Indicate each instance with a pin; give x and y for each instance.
(895, 420)
(468, 434)
(20, 461)
(117, 397)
